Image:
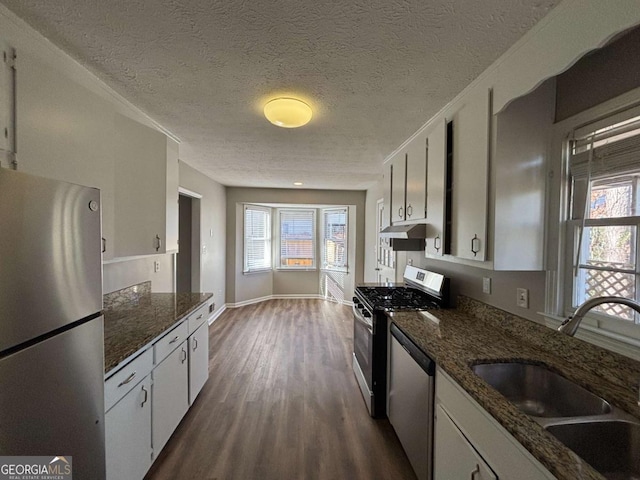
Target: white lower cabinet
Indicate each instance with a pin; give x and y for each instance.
(198, 360)
(170, 395)
(471, 444)
(454, 456)
(127, 433)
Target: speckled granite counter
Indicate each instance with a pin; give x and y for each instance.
(476, 333)
(134, 316)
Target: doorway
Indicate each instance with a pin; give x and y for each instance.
(188, 257)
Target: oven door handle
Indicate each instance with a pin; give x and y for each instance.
(360, 318)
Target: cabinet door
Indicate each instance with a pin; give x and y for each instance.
(7, 92)
(417, 153)
(436, 185)
(470, 175)
(170, 396)
(198, 360)
(141, 189)
(65, 132)
(385, 219)
(398, 184)
(128, 434)
(454, 456)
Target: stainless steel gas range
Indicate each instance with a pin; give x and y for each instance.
(422, 290)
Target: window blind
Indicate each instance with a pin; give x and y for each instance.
(334, 241)
(257, 238)
(297, 238)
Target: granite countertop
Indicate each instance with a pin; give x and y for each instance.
(133, 317)
(477, 333)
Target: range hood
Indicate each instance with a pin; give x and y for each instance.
(406, 237)
(405, 232)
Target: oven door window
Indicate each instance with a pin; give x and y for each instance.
(363, 349)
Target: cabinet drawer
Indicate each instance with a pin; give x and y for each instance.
(118, 385)
(197, 318)
(170, 342)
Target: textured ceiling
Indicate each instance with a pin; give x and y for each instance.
(374, 71)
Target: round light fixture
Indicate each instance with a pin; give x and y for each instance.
(288, 112)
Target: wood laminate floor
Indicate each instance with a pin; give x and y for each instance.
(282, 403)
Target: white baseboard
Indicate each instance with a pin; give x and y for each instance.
(214, 316)
(281, 297)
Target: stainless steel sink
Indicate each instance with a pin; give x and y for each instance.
(539, 392)
(612, 447)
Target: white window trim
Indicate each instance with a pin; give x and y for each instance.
(278, 247)
(269, 240)
(344, 269)
(560, 283)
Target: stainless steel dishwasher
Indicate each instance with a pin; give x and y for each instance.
(411, 392)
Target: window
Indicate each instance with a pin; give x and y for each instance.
(297, 239)
(334, 239)
(257, 238)
(605, 221)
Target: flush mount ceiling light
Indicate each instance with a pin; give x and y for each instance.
(297, 184)
(288, 112)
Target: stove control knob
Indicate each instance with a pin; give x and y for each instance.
(366, 314)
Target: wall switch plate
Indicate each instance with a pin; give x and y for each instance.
(522, 297)
(486, 285)
(156, 266)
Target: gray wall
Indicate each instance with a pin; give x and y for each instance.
(246, 287)
(213, 224)
(600, 76)
(130, 272)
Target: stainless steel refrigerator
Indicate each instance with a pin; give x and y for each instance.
(51, 328)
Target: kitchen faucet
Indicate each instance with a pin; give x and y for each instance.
(570, 325)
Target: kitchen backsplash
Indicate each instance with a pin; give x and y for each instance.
(136, 294)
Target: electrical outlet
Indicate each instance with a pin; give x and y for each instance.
(486, 285)
(522, 299)
(156, 266)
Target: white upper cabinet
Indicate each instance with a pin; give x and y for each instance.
(519, 173)
(398, 186)
(146, 189)
(436, 188)
(64, 132)
(408, 177)
(416, 185)
(7, 91)
(470, 174)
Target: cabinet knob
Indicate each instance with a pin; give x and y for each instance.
(174, 340)
(184, 356)
(409, 210)
(437, 243)
(401, 212)
(195, 343)
(158, 243)
(104, 244)
(475, 245)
